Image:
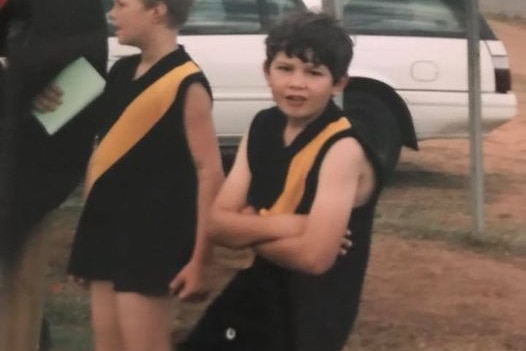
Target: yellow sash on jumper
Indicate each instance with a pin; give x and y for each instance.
(135, 121)
(300, 166)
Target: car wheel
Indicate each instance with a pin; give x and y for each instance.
(377, 125)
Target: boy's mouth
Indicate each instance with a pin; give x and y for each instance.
(296, 98)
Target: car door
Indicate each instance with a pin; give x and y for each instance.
(419, 49)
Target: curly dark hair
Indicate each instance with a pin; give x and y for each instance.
(312, 37)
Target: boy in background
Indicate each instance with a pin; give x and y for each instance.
(150, 183)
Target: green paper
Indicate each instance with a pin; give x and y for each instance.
(80, 84)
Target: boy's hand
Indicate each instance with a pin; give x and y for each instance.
(49, 99)
(346, 243)
(188, 285)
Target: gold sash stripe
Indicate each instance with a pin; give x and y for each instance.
(300, 166)
(135, 121)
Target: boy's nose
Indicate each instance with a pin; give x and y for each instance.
(109, 15)
(298, 80)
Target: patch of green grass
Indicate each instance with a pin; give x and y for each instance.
(498, 239)
(422, 204)
(502, 242)
(66, 338)
(67, 310)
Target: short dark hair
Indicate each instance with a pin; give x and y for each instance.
(312, 37)
(178, 10)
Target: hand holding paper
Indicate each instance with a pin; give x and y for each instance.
(80, 84)
(48, 100)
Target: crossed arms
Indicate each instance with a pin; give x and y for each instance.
(309, 243)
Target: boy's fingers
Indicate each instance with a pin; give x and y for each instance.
(345, 247)
(346, 244)
(194, 297)
(175, 286)
(181, 294)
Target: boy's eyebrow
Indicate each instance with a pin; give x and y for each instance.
(282, 62)
(311, 63)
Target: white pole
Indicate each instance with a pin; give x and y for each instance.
(333, 7)
(476, 154)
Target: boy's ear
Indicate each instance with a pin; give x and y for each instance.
(340, 84)
(266, 71)
(160, 11)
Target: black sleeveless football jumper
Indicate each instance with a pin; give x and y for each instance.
(270, 308)
(138, 225)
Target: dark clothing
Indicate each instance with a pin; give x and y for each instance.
(39, 171)
(270, 308)
(138, 225)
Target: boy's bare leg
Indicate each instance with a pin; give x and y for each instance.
(104, 317)
(145, 322)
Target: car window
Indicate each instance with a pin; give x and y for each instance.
(399, 17)
(236, 16)
(233, 16)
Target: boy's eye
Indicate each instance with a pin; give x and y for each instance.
(284, 68)
(315, 72)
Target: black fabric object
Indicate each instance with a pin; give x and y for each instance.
(250, 315)
(39, 39)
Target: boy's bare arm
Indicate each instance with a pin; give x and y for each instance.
(341, 186)
(233, 227)
(203, 146)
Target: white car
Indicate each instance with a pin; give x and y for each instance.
(410, 65)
